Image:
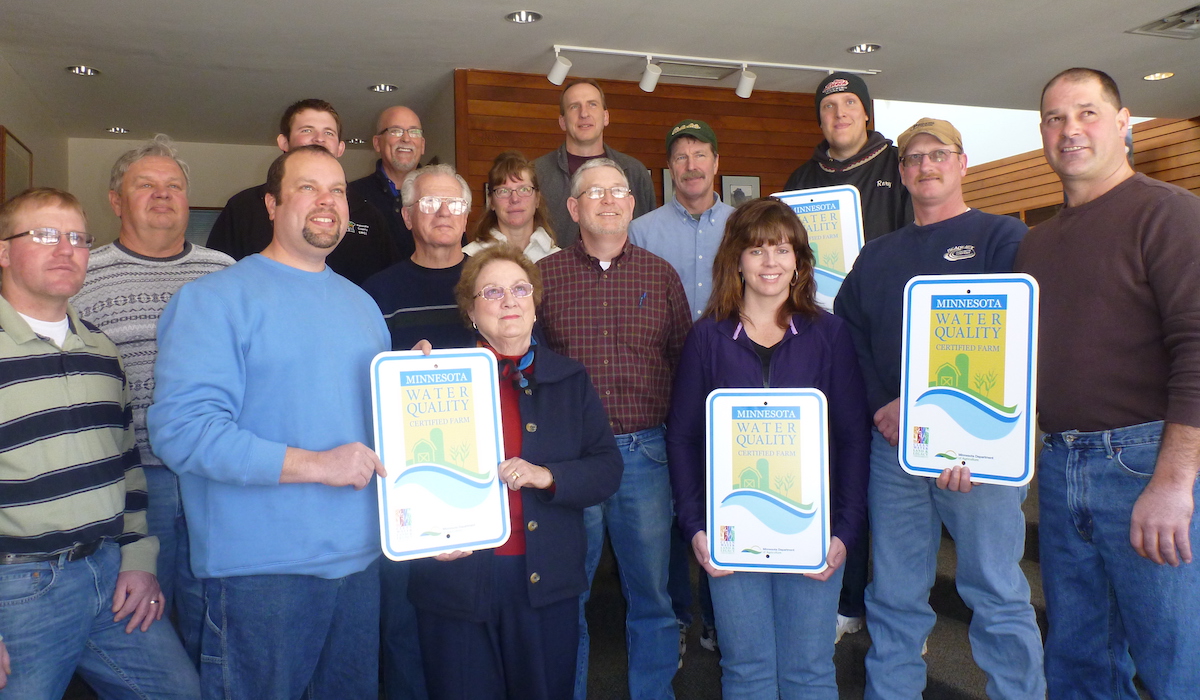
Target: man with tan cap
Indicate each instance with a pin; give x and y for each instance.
(907, 512)
(687, 230)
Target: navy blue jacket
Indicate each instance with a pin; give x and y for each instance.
(567, 432)
(375, 190)
(815, 353)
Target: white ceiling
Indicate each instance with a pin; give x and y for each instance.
(222, 70)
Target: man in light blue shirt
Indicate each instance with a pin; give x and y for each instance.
(686, 230)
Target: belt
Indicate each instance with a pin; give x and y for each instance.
(79, 551)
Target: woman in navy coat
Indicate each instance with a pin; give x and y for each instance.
(504, 623)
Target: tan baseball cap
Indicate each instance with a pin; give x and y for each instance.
(939, 129)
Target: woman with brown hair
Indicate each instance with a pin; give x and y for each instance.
(763, 328)
(516, 212)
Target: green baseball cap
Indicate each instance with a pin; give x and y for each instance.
(694, 128)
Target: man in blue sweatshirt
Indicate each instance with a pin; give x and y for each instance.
(262, 406)
(907, 512)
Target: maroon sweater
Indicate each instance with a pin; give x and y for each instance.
(1120, 308)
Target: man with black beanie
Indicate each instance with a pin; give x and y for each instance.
(853, 155)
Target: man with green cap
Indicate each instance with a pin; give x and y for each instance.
(851, 154)
(686, 230)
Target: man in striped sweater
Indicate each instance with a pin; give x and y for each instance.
(77, 584)
(129, 283)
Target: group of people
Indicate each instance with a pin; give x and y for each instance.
(187, 503)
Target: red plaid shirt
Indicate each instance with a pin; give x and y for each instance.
(625, 324)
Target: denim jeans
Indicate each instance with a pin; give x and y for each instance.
(907, 513)
(777, 633)
(57, 618)
(182, 590)
(638, 520)
(679, 583)
(283, 636)
(403, 674)
(1110, 610)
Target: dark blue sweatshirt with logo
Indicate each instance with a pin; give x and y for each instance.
(871, 300)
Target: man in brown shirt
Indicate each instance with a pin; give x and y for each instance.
(622, 312)
(1119, 396)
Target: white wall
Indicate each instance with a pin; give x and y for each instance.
(34, 124)
(438, 123)
(218, 171)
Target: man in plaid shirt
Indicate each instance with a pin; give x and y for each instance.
(622, 312)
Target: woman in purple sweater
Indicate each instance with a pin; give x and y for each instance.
(763, 328)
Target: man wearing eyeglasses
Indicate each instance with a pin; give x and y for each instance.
(129, 283)
(79, 589)
(400, 143)
(907, 511)
(622, 312)
(583, 114)
(262, 406)
(244, 227)
(416, 296)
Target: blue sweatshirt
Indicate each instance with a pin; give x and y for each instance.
(253, 359)
(871, 299)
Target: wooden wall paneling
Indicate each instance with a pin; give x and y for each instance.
(768, 135)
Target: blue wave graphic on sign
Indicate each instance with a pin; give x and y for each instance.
(828, 283)
(451, 486)
(776, 514)
(971, 414)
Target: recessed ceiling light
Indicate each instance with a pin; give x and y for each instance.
(1158, 76)
(523, 16)
(383, 87)
(82, 70)
(117, 130)
(864, 48)
(355, 142)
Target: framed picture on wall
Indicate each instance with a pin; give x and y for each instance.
(668, 186)
(16, 166)
(738, 189)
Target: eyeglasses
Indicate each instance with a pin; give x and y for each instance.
(913, 160)
(506, 192)
(51, 236)
(617, 192)
(457, 206)
(494, 292)
(398, 133)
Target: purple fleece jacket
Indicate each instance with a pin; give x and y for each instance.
(815, 353)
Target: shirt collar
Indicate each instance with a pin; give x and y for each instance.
(707, 214)
(592, 261)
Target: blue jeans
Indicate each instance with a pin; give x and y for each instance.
(988, 527)
(679, 583)
(57, 618)
(777, 633)
(282, 637)
(403, 674)
(638, 519)
(183, 592)
(1109, 609)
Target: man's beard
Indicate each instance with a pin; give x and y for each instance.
(320, 240)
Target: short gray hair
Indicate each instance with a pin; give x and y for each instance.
(408, 189)
(595, 163)
(161, 145)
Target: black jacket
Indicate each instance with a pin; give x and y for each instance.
(375, 189)
(875, 171)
